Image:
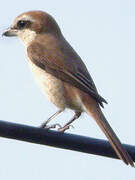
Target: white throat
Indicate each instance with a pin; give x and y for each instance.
(26, 36)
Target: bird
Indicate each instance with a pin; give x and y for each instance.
(61, 73)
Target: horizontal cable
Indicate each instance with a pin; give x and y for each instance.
(60, 140)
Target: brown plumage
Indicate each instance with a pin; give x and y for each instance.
(61, 73)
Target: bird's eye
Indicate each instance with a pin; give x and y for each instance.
(21, 24)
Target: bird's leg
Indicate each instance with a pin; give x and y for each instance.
(68, 124)
(44, 125)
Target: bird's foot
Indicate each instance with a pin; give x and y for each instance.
(50, 126)
(43, 125)
(63, 129)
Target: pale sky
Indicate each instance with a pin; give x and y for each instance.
(103, 34)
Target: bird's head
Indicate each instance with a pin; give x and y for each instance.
(29, 25)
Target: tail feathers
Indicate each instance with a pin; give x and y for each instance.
(110, 134)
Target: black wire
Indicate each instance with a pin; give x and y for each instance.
(60, 140)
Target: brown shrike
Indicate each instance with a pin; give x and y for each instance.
(61, 73)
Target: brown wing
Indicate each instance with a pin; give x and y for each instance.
(63, 63)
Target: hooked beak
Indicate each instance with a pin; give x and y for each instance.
(10, 32)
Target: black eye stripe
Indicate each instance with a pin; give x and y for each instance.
(21, 24)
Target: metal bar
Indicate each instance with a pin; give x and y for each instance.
(60, 140)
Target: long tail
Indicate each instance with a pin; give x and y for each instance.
(110, 134)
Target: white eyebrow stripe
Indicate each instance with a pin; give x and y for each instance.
(26, 17)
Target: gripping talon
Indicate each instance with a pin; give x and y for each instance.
(63, 129)
(52, 126)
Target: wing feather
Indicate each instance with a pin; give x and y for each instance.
(66, 70)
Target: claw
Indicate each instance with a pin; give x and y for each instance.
(51, 126)
(43, 125)
(63, 129)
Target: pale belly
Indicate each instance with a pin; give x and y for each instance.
(50, 86)
(58, 92)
